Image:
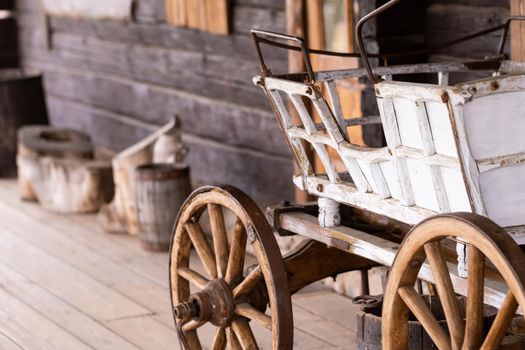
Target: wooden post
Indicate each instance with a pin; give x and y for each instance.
(517, 43)
(295, 19)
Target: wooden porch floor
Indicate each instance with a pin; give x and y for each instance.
(65, 284)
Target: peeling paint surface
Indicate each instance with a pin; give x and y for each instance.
(93, 9)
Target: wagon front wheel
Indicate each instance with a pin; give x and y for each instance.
(226, 287)
(490, 250)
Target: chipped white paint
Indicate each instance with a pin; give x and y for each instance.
(449, 148)
(92, 9)
(329, 215)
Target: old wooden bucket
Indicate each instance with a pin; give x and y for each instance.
(368, 334)
(21, 103)
(160, 190)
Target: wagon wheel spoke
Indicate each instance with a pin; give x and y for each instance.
(193, 277)
(475, 286)
(446, 293)
(233, 342)
(202, 247)
(192, 325)
(193, 340)
(237, 254)
(244, 334)
(501, 323)
(219, 339)
(248, 311)
(220, 238)
(418, 307)
(248, 283)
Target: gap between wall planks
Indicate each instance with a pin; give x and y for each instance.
(206, 15)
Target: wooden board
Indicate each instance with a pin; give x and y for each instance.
(517, 43)
(217, 15)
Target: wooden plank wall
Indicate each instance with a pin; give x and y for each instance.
(446, 19)
(120, 81)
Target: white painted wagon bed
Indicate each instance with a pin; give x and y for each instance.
(449, 148)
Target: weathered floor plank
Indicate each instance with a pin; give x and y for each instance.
(31, 330)
(8, 344)
(145, 332)
(68, 283)
(118, 248)
(143, 291)
(103, 291)
(67, 317)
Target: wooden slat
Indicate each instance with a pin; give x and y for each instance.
(517, 8)
(169, 11)
(295, 25)
(179, 15)
(196, 14)
(217, 16)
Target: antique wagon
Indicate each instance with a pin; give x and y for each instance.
(443, 202)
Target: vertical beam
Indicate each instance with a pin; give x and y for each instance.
(217, 16)
(517, 8)
(295, 25)
(349, 21)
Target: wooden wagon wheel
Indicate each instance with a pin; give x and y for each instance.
(485, 242)
(231, 296)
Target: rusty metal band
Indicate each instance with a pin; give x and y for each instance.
(161, 172)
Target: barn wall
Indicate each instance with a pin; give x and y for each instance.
(120, 81)
(448, 19)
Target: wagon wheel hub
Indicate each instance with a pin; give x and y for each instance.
(213, 304)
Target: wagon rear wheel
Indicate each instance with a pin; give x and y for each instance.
(227, 293)
(485, 242)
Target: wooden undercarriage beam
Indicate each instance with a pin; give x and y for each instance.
(313, 261)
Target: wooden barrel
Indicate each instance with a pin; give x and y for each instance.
(8, 40)
(21, 103)
(160, 190)
(368, 334)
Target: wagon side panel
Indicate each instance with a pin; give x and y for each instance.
(495, 125)
(421, 134)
